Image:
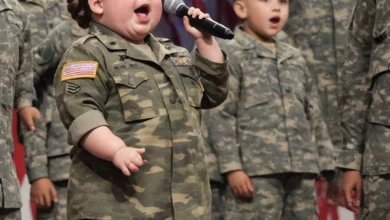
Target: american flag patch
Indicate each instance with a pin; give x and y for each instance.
(77, 70)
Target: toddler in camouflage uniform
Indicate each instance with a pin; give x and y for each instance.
(132, 105)
(269, 136)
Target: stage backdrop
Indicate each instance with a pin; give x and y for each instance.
(172, 27)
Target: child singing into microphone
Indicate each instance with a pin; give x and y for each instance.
(132, 105)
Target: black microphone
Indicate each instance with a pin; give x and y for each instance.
(179, 8)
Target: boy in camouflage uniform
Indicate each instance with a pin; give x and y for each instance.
(365, 111)
(269, 135)
(127, 97)
(16, 89)
(46, 149)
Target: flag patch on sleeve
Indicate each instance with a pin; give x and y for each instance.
(77, 70)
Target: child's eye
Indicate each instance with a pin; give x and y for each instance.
(284, 1)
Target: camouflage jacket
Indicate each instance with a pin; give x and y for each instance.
(319, 29)
(47, 151)
(44, 15)
(271, 121)
(15, 84)
(366, 91)
(150, 103)
(207, 123)
(47, 154)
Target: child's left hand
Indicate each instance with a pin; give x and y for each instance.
(196, 34)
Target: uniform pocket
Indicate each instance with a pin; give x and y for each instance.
(135, 95)
(379, 110)
(192, 85)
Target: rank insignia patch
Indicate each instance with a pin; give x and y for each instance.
(182, 61)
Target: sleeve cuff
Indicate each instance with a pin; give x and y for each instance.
(349, 159)
(229, 163)
(37, 173)
(85, 123)
(23, 102)
(211, 67)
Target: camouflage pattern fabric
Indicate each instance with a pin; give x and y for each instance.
(150, 102)
(44, 15)
(10, 214)
(47, 151)
(48, 53)
(376, 207)
(278, 196)
(319, 29)
(16, 89)
(366, 78)
(218, 191)
(272, 111)
(58, 210)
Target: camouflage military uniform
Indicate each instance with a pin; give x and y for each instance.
(47, 154)
(151, 101)
(365, 104)
(217, 184)
(271, 128)
(16, 89)
(319, 29)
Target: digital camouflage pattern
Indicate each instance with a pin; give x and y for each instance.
(218, 186)
(58, 210)
(47, 151)
(16, 89)
(376, 203)
(284, 196)
(44, 16)
(149, 102)
(48, 53)
(365, 103)
(271, 112)
(366, 78)
(319, 29)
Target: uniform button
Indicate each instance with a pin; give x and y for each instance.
(288, 90)
(172, 99)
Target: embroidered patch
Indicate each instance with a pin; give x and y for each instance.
(77, 70)
(72, 88)
(182, 61)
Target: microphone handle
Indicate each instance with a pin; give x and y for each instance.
(206, 25)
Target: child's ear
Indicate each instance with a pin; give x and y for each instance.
(240, 9)
(96, 6)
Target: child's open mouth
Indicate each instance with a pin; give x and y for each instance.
(275, 19)
(142, 12)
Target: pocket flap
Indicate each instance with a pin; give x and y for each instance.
(132, 80)
(256, 99)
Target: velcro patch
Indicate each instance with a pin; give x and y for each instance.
(182, 61)
(77, 70)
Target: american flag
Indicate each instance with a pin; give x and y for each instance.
(82, 69)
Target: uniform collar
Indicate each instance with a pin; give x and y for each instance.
(249, 43)
(114, 42)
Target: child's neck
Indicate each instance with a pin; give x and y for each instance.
(266, 41)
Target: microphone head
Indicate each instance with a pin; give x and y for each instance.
(171, 6)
